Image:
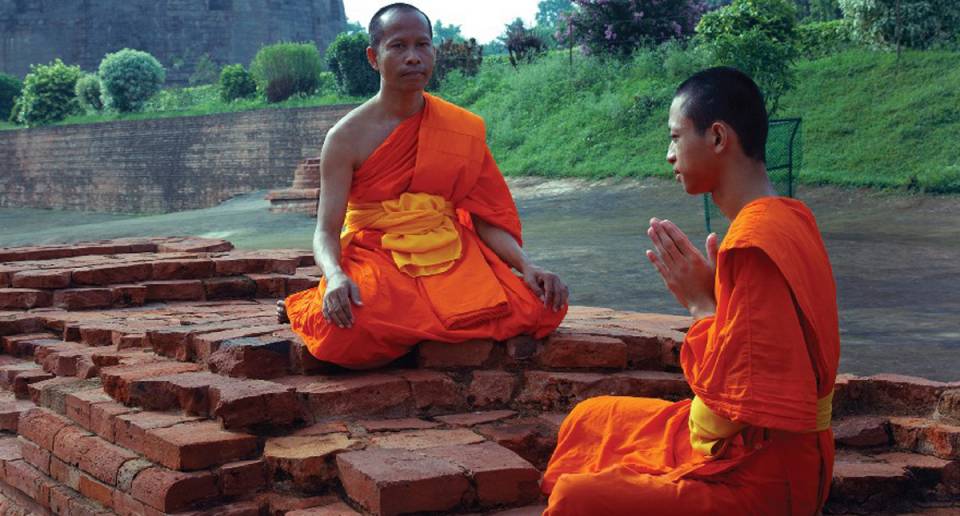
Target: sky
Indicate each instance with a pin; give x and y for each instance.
(484, 23)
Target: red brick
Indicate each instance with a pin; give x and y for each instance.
(10, 412)
(309, 461)
(199, 445)
(60, 497)
(171, 491)
(522, 348)
(70, 445)
(280, 504)
(20, 344)
(476, 418)
(240, 478)
(41, 426)
(300, 283)
(35, 455)
(861, 432)
(491, 388)
(334, 509)
(182, 269)
(22, 382)
(126, 505)
(206, 344)
(102, 416)
(29, 481)
(552, 390)
(390, 482)
(271, 286)
(193, 245)
(103, 460)
(949, 405)
(96, 491)
(926, 436)
(500, 475)
(238, 265)
(23, 298)
(129, 295)
(112, 274)
(252, 357)
(445, 355)
(83, 298)
(362, 394)
(130, 430)
(117, 379)
(420, 439)
(42, 279)
(894, 394)
(580, 351)
(433, 391)
(132, 340)
(65, 473)
(174, 290)
(393, 425)
(185, 391)
(231, 287)
(867, 486)
(129, 471)
(255, 403)
(531, 438)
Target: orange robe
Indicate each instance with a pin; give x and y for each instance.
(440, 151)
(764, 360)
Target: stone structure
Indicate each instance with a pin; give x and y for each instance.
(149, 376)
(177, 32)
(158, 165)
(304, 195)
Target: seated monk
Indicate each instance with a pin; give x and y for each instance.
(416, 228)
(760, 357)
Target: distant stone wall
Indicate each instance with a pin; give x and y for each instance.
(177, 32)
(159, 165)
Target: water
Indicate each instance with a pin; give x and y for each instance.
(896, 257)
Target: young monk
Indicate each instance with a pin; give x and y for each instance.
(761, 355)
(430, 230)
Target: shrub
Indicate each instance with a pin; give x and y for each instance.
(204, 71)
(49, 93)
(522, 44)
(464, 56)
(128, 78)
(918, 23)
(820, 39)
(88, 92)
(236, 83)
(759, 38)
(10, 88)
(347, 59)
(286, 69)
(618, 27)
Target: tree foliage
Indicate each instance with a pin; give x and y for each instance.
(282, 70)
(89, 92)
(49, 94)
(911, 23)
(236, 83)
(619, 27)
(522, 44)
(757, 36)
(347, 59)
(465, 56)
(129, 77)
(10, 89)
(443, 33)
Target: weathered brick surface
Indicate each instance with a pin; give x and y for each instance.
(531, 438)
(476, 418)
(252, 357)
(420, 439)
(24, 298)
(35, 455)
(197, 445)
(41, 279)
(390, 482)
(867, 486)
(170, 491)
(243, 477)
(579, 351)
(189, 392)
(255, 403)
(41, 426)
(862, 431)
(445, 355)
(309, 461)
(361, 394)
(130, 430)
(174, 290)
(112, 274)
(500, 475)
(926, 436)
(102, 460)
(393, 425)
(83, 298)
(231, 287)
(118, 379)
(434, 391)
(102, 418)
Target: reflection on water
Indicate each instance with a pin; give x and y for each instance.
(896, 258)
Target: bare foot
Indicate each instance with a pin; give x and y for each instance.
(282, 313)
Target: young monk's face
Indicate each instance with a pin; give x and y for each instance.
(690, 152)
(405, 55)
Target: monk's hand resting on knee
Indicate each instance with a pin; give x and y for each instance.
(341, 293)
(685, 270)
(547, 286)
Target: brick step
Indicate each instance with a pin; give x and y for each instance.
(927, 436)
(114, 247)
(890, 482)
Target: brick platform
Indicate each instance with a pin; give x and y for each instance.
(149, 376)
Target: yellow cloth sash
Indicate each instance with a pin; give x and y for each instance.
(708, 430)
(418, 230)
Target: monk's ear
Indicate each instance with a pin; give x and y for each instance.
(719, 136)
(372, 58)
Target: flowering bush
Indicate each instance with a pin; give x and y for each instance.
(618, 27)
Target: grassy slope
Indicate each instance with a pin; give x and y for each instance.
(866, 122)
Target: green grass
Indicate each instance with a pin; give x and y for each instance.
(866, 120)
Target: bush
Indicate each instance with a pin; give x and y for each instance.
(820, 39)
(286, 69)
(618, 27)
(347, 59)
(130, 77)
(758, 37)
(204, 71)
(49, 94)
(183, 99)
(463, 56)
(10, 89)
(522, 44)
(922, 23)
(236, 83)
(88, 92)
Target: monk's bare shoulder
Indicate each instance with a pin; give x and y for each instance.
(341, 141)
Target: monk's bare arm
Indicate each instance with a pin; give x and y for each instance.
(336, 174)
(547, 285)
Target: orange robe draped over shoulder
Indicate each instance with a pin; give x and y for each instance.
(767, 360)
(440, 151)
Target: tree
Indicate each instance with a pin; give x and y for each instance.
(353, 27)
(550, 13)
(10, 89)
(347, 59)
(443, 33)
(910, 23)
(618, 27)
(522, 44)
(128, 78)
(49, 94)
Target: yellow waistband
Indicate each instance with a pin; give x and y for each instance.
(418, 229)
(824, 412)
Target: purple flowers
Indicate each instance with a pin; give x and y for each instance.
(618, 27)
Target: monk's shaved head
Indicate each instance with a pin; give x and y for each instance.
(376, 23)
(725, 94)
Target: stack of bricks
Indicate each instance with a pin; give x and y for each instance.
(304, 195)
(152, 405)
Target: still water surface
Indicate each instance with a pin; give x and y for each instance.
(896, 257)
